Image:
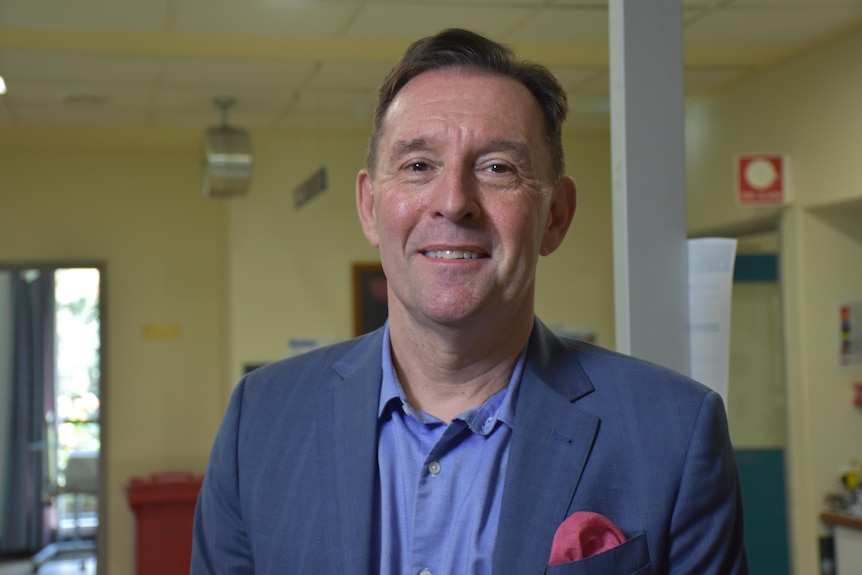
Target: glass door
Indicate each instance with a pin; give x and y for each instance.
(51, 333)
(77, 401)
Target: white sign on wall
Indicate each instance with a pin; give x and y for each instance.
(710, 286)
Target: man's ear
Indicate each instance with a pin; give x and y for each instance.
(365, 207)
(563, 204)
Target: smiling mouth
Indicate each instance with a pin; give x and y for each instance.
(453, 255)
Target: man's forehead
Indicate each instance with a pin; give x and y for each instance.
(450, 80)
(456, 99)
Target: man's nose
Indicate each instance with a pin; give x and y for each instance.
(456, 196)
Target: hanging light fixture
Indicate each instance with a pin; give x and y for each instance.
(226, 157)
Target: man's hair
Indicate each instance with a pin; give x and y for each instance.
(462, 48)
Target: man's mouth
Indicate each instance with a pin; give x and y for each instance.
(453, 255)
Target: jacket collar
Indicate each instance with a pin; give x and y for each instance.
(551, 443)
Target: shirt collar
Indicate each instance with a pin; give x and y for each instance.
(481, 419)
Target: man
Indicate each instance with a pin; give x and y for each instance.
(460, 437)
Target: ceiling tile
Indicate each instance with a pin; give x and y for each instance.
(96, 115)
(188, 68)
(408, 21)
(246, 98)
(322, 122)
(780, 25)
(51, 65)
(203, 118)
(367, 75)
(359, 105)
(237, 72)
(79, 93)
(123, 15)
(262, 18)
(559, 25)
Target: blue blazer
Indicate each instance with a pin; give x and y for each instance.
(291, 479)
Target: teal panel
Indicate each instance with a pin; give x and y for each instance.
(761, 475)
(755, 268)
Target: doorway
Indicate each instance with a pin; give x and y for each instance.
(51, 334)
(756, 402)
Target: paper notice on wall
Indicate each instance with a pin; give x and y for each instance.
(851, 334)
(710, 284)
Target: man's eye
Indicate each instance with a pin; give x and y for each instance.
(499, 168)
(418, 167)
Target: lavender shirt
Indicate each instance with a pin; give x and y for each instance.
(440, 486)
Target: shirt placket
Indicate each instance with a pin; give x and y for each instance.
(436, 488)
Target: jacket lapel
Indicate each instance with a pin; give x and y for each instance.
(349, 451)
(551, 442)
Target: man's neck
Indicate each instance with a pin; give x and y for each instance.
(447, 371)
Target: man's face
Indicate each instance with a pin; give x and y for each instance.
(461, 202)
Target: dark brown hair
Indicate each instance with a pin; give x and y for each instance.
(463, 48)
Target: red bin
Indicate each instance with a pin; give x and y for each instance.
(164, 508)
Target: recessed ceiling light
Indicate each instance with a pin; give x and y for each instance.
(2, 86)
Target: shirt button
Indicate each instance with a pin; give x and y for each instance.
(425, 572)
(433, 469)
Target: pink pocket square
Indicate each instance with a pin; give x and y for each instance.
(582, 535)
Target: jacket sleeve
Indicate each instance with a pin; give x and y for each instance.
(707, 522)
(220, 543)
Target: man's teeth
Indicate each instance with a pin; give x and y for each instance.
(453, 255)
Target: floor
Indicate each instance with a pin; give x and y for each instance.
(64, 567)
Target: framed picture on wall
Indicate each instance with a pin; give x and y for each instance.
(370, 308)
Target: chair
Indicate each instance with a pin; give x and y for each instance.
(82, 478)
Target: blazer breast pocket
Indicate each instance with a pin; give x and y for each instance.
(629, 558)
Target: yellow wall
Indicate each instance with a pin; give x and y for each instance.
(807, 108)
(137, 212)
(290, 273)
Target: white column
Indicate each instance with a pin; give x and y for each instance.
(648, 162)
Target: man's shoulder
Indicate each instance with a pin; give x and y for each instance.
(595, 358)
(313, 367)
(629, 395)
(613, 372)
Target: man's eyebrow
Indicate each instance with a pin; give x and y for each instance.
(402, 147)
(520, 148)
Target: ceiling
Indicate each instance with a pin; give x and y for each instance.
(316, 63)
